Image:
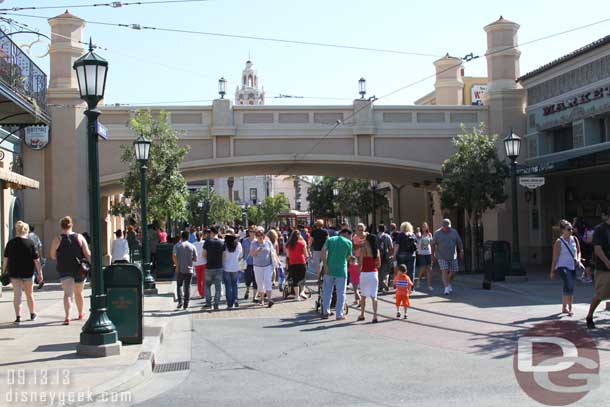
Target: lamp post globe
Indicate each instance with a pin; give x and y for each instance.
(335, 192)
(222, 87)
(512, 147)
(99, 335)
(142, 152)
(362, 87)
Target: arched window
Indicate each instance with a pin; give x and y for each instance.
(244, 81)
(250, 82)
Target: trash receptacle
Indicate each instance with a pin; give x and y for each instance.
(124, 291)
(164, 264)
(496, 260)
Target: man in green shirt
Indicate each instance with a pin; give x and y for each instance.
(335, 253)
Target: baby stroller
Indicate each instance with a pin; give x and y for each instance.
(290, 284)
(333, 299)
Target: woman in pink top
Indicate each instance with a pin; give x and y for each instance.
(359, 239)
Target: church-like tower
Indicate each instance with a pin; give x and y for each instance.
(249, 92)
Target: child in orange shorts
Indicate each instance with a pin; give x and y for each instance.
(403, 285)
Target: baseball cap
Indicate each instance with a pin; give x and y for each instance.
(447, 222)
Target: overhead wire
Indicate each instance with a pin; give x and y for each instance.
(113, 4)
(139, 27)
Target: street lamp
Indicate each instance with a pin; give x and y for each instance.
(512, 145)
(142, 149)
(362, 87)
(222, 87)
(374, 184)
(98, 336)
(298, 204)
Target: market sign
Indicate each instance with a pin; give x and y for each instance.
(585, 104)
(531, 182)
(36, 137)
(476, 94)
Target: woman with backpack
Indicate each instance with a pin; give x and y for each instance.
(405, 248)
(69, 249)
(566, 258)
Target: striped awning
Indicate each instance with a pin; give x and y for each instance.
(17, 181)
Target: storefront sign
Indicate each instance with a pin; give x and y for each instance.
(102, 131)
(37, 137)
(531, 182)
(476, 94)
(582, 99)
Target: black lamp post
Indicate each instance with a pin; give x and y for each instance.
(335, 196)
(222, 87)
(99, 331)
(374, 184)
(512, 145)
(142, 149)
(362, 87)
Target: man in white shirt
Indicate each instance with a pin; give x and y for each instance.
(120, 248)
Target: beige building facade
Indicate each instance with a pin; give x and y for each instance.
(401, 145)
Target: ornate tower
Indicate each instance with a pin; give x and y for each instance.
(249, 93)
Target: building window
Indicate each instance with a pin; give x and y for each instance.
(562, 138)
(253, 195)
(236, 196)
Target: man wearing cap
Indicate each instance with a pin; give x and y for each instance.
(601, 249)
(446, 248)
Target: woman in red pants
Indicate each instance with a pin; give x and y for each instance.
(200, 265)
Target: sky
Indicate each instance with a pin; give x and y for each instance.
(153, 67)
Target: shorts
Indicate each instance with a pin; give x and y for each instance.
(424, 260)
(24, 279)
(296, 273)
(452, 266)
(76, 279)
(602, 284)
(249, 279)
(402, 299)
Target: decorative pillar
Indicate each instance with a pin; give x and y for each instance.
(449, 86)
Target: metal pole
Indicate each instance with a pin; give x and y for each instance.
(374, 226)
(149, 279)
(516, 256)
(99, 329)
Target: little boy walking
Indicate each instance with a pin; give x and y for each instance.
(403, 285)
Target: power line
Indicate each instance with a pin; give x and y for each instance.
(113, 4)
(139, 27)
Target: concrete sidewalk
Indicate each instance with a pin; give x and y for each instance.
(38, 361)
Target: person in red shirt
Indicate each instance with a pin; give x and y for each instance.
(162, 236)
(404, 285)
(297, 260)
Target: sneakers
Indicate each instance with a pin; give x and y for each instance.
(450, 287)
(447, 292)
(405, 316)
(33, 316)
(179, 305)
(587, 280)
(17, 321)
(398, 315)
(236, 305)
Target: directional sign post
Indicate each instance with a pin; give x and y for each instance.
(102, 131)
(531, 182)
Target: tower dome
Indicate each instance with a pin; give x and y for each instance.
(249, 93)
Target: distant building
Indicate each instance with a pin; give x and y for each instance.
(249, 92)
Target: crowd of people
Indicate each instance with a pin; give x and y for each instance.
(397, 258)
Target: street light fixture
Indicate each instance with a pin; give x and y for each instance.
(335, 192)
(142, 149)
(222, 87)
(512, 146)
(99, 335)
(362, 87)
(374, 185)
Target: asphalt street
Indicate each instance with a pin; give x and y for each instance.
(452, 351)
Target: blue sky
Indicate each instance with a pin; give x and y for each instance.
(152, 67)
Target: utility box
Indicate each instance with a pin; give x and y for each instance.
(496, 260)
(125, 298)
(164, 264)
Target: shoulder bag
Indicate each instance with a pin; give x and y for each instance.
(578, 266)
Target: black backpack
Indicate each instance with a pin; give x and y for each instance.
(384, 249)
(409, 244)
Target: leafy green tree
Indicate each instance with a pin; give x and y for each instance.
(167, 189)
(272, 207)
(198, 205)
(473, 179)
(356, 198)
(255, 215)
(321, 199)
(223, 211)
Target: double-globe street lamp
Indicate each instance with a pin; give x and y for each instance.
(512, 146)
(99, 335)
(142, 150)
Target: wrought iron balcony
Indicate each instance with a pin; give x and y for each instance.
(23, 83)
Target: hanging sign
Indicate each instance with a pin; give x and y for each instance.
(102, 131)
(36, 137)
(531, 182)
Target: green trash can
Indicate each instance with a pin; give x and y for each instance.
(496, 260)
(125, 297)
(164, 264)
